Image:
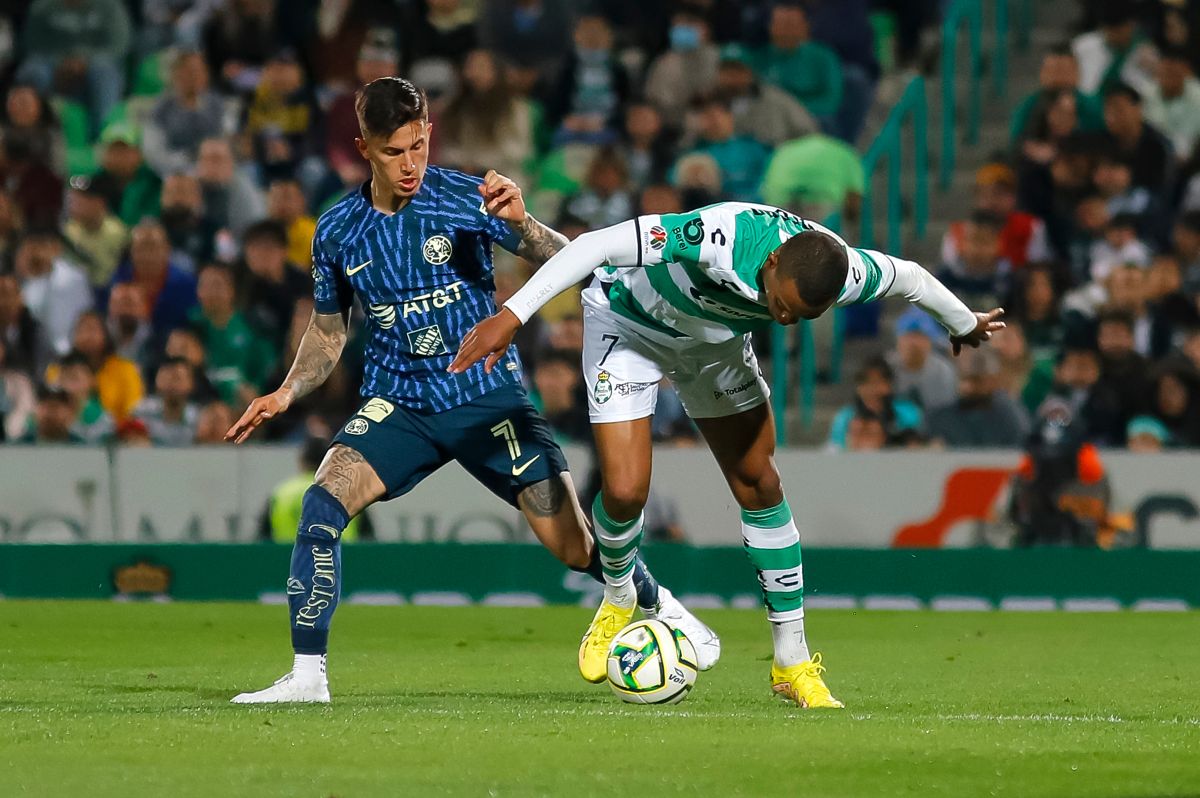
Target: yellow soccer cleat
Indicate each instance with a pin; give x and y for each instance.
(593, 649)
(803, 684)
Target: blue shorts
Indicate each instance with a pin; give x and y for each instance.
(498, 438)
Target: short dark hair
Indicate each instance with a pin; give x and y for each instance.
(76, 358)
(985, 218)
(387, 104)
(216, 266)
(817, 263)
(175, 360)
(1190, 220)
(1122, 89)
(1115, 316)
(266, 230)
(875, 363)
(1062, 50)
(1124, 221)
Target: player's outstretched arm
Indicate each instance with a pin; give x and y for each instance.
(490, 338)
(502, 198)
(967, 327)
(319, 350)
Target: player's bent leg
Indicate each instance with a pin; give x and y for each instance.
(552, 510)
(343, 481)
(744, 446)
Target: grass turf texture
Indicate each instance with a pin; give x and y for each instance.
(131, 700)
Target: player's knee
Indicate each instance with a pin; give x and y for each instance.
(623, 499)
(757, 487)
(322, 516)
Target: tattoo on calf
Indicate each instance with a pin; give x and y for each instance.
(544, 499)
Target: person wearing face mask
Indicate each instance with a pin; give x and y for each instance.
(591, 89)
(687, 71)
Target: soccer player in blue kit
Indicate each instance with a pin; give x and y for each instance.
(414, 243)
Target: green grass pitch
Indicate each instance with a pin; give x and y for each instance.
(130, 700)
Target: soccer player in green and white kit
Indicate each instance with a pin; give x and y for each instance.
(677, 296)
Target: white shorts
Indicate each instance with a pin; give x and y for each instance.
(623, 365)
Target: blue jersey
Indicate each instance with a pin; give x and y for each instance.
(424, 276)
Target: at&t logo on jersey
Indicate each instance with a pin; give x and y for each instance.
(437, 250)
(434, 300)
(427, 341)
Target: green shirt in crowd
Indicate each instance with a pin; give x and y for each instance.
(237, 354)
(813, 170)
(811, 73)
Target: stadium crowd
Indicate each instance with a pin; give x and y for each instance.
(162, 164)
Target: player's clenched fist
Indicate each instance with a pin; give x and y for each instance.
(502, 197)
(261, 409)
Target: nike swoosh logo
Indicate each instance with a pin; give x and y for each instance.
(357, 269)
(519, 470)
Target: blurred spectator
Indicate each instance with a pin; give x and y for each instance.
(1115, 53)
(98, 237)
(238, 39)
(192, 236)
(238, 357)
(182, 118)
(1077, 374)
(815, 176)
(170, 291)
(79, 45)
(1171, 309)
(1059, 73)
(20, 332)
(487, 126)
(17, 400)
(1185, 240)
(92, 424)
(978, 272)
(688, 70)
(659, 198)
(54, 417)
(670, 424)
(698, 178)
(168, 413)
(762, 110)
(12, 224)
(1034, 303)
(1148, 152)
(1175, 401)
(1087, 232)
(118, 383)
(280, 119)
(1146, 435)
(1113, 178)
(1053, 191)
(128, 184)
(809, 71)
(1052, 124)
(186, 343)
(1123, 372)
(213, 422)
(285, 205)
(1119, 247)
(31, 184)
(922, 374)
(742, 160)
(1173, 104)
(874, 400)
(984, 416)
(865, 432)
(128, 322)
(532, 33)
(647, 145)
(29, 119)
(231, 200)
(133, 432)
(605, 198)
(592, 86)
(273, 286)
(1023, 236)
(281, 518)
(376, 59)
(446, 29)
(845, 26)
(557, 395)
(54, 290)
(341, 29)
(1022, 377)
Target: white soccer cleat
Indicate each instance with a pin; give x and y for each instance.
(289, 689)
(670, 611)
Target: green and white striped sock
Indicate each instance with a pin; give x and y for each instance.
(772, 543)
(618, 542)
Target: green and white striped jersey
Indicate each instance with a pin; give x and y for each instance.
(698, 273)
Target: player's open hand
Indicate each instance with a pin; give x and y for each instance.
(261, 409)
(502, 197)
(490, 337)
(985, 325)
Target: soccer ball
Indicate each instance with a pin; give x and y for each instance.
(651, 663)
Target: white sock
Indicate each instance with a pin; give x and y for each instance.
(623, 593)
(791, 646)
(309, 667)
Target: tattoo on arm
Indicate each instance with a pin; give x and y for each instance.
(544, 499)
(318, 353)
(538, 242)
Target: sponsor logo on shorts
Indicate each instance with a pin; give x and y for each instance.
(656, 237)
(376, 409)
(357, 426)
(735, 390)
(632, 388)
(437, 250)
(427, 341)
(324, 582)
(604, 388)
